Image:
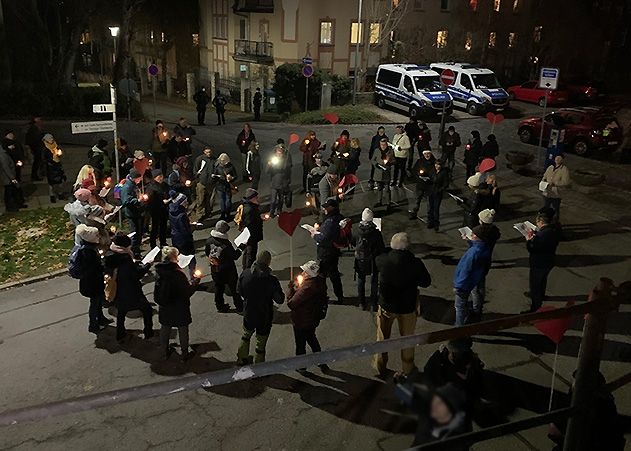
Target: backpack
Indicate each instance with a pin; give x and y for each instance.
(213, 257)
(111, 285)
(75, 269)
(362, 250)
(345, 236)
(117, 191)
(238, 218)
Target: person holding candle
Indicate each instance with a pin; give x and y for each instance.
(374, 145)
(382, 161)
(157, 205)
(225, 175)
(260, 289)
(243, 141)
(422, 173)
(54, 170)
(16, 151)
(205, 188)
(251, 218)
(279, 170)
(221, 257)
(327, 251)
(173, 294)
(160, 139)
(132, 204)
(472, 153)
(439, 184)
(314, 178)
(181, 232)
(13, 198)
(309, 147)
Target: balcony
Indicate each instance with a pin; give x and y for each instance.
(253, 6)
(254, 52)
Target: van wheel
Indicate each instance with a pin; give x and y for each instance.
(581, 148)
(542, 102)
(472, 108)
(381, 102)
(414, 111)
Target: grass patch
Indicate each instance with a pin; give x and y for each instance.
(34, 242)
(348, 114)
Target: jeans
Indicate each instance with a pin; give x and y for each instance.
(467, 302)
(433, 208)
(95, 312)
(304, 337)
(407, 324)
(225, 203)
(553, 202)
(220, 288)
(262, 335)
(165, 335)
(538, 281)
(136, 224)
(449, 159)
(147, 319)
(374, 287)
(201, 116)
(221, 118)
(415, 201)
(249, 255)
(399, 170)
(329, 268)
(158, 228)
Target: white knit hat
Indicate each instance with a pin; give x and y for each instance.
(367, 215)
(311, 268)
(487, 216)
(474, 180)
(87, 233)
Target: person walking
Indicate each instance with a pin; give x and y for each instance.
(556, 176)
(201, 99)
(221, 257)
(13, 197)
(327, 252)
(374, 146)
(203, 170)
(542, 246)
(243, 141)
(413, 131)
(382, 161)
(133, 208)
(279, 169)
(257, 101)
(470, 272)
(308, 304)
(173, 294)
(181, 232)
(400, 275)
(472, 153)
(368, 246)
(119, 265)
(91, 282)
(450, 141)
(220, 102)
(253, 165)
(439, 184)
(225, 175)
(422, 175)
(33, 139)
(157, 206)
(402, 148)
(251, 218)
(309, 147)
(260, 289)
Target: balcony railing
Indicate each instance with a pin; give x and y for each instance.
(253, 51)
(253, 6)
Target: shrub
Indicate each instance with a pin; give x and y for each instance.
(289, 86)
(341, 89)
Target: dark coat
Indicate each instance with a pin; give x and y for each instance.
(259, 289)
(129, 295)
(480, 199)
(219, 102)
(243, 142)
(157, 193)
(374, 144)
(412, 130)
(257, 99)
(201, 98)
(280, 174)
(131, 205)
(227, 269)
(472, 155)
(253, 221)
(543, 246)
(427, 166)
(374, 246)
(14, 149)
(383, 172)
(177, 149)
(329, 234)
(253, 165)
(204, 176)
(400, 273)
(33, 139)
(173, 294)
(353, 162)
(309, 151)
(181, 232)
(220, 174)
(91, 283)
(490, 149)
(307, 303)
(450, 142)
(54, 170)
(440, 181)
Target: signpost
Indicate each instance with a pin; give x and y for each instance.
(548, 80)
(92, 127)
(103, 108)
(447, 78)
(307, 72)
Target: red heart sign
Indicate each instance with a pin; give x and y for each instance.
(288, 221)
(293, 138)
(494, 118)
(332, 118)
(487, 164)
(554, 329)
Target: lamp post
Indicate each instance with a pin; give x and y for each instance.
(359, 38)
(114, 32)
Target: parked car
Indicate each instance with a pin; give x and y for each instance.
(531, 92)
(586, 129)
(584, 90)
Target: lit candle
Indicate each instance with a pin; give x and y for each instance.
(421, 171)
(385, 161)
(106, 183)
(19, 163)
(197, 274)
(59, 152)
(300, 279)
(340, 190)
(468, 147)
(164, 133)
(307, 141)
(316, 226)
(113, 229)
(337, 143)
(187, 183)
(308, 203)
(275, 160)
(266, 217)
(144, 197)
(345, 154)
(101, 251)
(150, 162)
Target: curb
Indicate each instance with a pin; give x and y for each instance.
(33, 279)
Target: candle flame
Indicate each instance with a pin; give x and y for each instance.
(300, 279)
(197, 274)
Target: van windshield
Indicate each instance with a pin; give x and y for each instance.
(427, 83)
(485, 81)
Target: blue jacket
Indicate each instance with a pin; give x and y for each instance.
(472, 267)
(132, 207)
(329, 233)
(181, 233)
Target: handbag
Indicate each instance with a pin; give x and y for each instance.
(111, 284)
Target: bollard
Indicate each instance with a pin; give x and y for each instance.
(169, 81)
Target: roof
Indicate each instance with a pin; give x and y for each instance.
(411, 68)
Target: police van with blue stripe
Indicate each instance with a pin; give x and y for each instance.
(416, 89)
(475, 89)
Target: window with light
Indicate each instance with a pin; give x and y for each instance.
(441, 39)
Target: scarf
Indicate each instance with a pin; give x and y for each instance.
(216, 234)
(121, 250)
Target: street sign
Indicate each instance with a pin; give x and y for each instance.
(153, 70)
(307, 71)
(448, 77)
(307, 61)
(127, 87)
(92, 127)
(549, 78)
(103, 108)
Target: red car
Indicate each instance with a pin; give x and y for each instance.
(586, 129)
(531, 92)
(581, 90)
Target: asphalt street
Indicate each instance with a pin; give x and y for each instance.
(48, 354)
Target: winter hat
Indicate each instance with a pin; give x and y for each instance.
(87, 233)
(451, 128)
(367, 215)
(475, 133)
(474, 180)
(121, 240)
(460, 345)
(250, 194)
(400, 241)
(133, 173)
(547, 212)
(82, 194)
(487, 216)
(139, 154)
(427, 151)
(156, 173)
(264, 258)
(332, 203)
(311, 268)
(482, 231)
(452, 396)
(488, 164)
(222, 226)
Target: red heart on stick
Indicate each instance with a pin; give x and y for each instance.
(288, 221)
(554, 329)
(293, 138)
(332, 118)
(494, 118)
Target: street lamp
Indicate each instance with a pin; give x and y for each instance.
(114, 32)
(359, 36)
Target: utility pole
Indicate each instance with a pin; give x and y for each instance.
(360, 33)
(5, 62)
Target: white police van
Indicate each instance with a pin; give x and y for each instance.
(416, 89)
(475, 88)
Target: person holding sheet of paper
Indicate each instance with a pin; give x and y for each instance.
(158, 192)
(479, 199)
(556, 176)
(181, 232)
(205, 188)
(327, 251)
(252, 220)
(221, 257)
(470, 272)
(542, 245)
(421, 175)
(383, 161)
(368, 245)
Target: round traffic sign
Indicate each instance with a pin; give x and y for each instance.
(153, 70)
(307, 71)
(447, 77)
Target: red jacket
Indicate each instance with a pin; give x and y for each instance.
(307, 303)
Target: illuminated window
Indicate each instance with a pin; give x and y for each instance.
(356, 33)
(326, 33)
(375, 33)
(468, 41)
(492, 39)
(496, 5)
(162, 37)
(151, 37)
(536, 35)
(516, 5)
(195, 37)
(473, 4)
(441, 39)
(512, 40)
